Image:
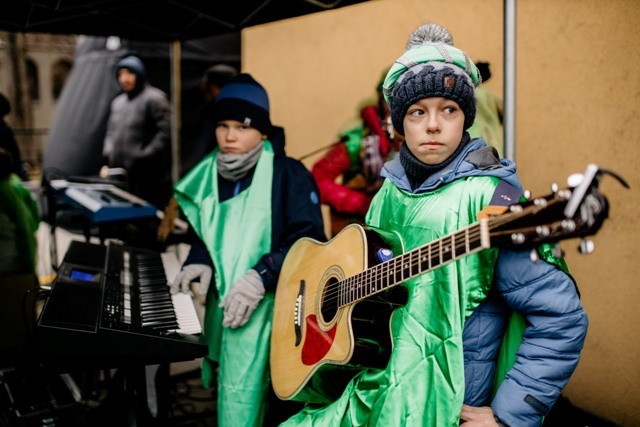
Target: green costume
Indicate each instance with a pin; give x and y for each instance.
(236, 232)
(488, 122)
(353, 142)
(19, 221)
(423, 384)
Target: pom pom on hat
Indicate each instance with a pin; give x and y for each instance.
(245, 100)
(429, 32)
(431, 67)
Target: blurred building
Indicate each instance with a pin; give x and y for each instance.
(33, 70)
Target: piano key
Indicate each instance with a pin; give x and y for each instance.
(187, 315)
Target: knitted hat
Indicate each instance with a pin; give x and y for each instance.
(218, 75)
(431, 67)
(245, 100)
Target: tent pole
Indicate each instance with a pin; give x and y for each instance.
(509, 78)
(176, 117)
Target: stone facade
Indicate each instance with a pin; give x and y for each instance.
(33, 69)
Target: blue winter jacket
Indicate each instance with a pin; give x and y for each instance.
(542, 293)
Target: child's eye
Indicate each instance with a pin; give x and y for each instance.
(450, 109)
(416, 112)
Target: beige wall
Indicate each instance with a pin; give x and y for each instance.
(577, 97)
(318, 68)
(577, 103)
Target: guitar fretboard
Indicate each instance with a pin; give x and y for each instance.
(413, 263)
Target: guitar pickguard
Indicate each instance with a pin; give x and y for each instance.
(317, 342)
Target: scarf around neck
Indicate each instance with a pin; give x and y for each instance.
(418, 172)
(235, 166)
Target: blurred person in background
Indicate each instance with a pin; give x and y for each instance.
(348, 175)
(138, 137)
(8, 139)
(19, 221)
(489, 113)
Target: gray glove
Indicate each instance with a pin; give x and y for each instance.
(188, 274)
(242, 300)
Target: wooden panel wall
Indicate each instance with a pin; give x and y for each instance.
(577, 103)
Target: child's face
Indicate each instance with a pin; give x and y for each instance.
(433, 129)
(236, 138)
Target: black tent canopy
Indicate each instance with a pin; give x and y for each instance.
(177, 25)
(157, 20)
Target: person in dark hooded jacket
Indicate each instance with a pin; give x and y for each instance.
(8, 139)
(248, 203)
(138, 137)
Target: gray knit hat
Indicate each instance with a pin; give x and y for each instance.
(431, 67)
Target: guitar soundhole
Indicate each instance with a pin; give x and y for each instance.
(329, 305)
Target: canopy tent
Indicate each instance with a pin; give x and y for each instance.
(159, 20)
(172, 22)
(74, 143)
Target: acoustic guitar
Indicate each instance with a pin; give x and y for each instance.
(334, 300)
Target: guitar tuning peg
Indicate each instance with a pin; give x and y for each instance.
(586, 246)
(575, 179)
(535, 257)
(557, 251)
(527, 194)
(554, 188)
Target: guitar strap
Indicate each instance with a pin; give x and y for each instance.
(505, 194)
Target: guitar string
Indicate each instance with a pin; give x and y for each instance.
(384, 271)
(388, 270)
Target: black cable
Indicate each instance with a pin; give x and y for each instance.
(29, 324)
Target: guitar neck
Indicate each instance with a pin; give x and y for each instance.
(413, 263)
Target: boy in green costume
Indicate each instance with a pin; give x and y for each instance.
(447, 338)
(248, 203)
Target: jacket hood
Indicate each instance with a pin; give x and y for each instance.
(135, 65)
(477, 159)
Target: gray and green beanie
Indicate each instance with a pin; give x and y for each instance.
(431, 67)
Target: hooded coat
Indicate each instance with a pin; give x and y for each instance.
(138, 137)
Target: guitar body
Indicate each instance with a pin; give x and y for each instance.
(317, 346)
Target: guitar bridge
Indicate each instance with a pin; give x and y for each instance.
(298, 313)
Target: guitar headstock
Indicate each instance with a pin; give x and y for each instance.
(577, 211)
